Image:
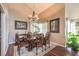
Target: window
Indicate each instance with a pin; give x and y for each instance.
(35, 27)
(77, 27)
(39, 27)
(73, 26)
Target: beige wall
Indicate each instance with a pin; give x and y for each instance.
(59, 38)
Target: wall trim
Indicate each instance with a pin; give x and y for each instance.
(57, 44)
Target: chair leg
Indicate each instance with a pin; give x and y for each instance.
(19, 50)
(45, 47)
(42, 48)
(49, 45)
(36, 50)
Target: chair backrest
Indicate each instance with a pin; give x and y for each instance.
(35, 33)
(41, 37)
(17, 38)
(47, 37)
(29, 35)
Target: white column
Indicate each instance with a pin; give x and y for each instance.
(3, 32)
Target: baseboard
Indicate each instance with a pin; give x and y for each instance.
(6, 50)
(57, 44)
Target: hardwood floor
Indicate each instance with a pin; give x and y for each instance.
(62, 51)
(57, 51)
(10, 51)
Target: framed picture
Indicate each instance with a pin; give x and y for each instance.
(54, 25)
(20, 25)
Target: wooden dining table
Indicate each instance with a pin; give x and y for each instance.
(30, 42)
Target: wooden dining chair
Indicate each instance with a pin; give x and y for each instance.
(29, 38)
(29, 34)
(47, 40)
(19, 42)
(39, 43)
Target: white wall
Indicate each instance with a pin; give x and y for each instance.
(8, 29)
(71, 12)
(11, 26)
(74, 10)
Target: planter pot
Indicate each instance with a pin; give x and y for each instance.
(72, 49)
(69, 49)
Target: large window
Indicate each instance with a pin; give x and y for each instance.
(35, 27)
(73, 26)
(77, 27)
(39, 27)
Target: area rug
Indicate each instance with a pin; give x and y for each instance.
(24, 51)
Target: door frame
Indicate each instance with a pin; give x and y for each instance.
(3, 30)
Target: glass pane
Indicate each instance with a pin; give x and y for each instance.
(77, 27)
(39, 27)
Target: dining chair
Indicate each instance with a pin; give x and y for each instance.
(19, 42)
(29, 34)
(38, 43)
(29, 38)
(47, 40)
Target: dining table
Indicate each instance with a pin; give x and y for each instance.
(30, 43)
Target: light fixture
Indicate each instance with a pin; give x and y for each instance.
(33, 16)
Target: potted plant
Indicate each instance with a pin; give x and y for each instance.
(73, 41)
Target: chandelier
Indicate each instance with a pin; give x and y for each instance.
(33, 16)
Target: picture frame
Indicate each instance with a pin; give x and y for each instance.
(20, 25)
(54, 25)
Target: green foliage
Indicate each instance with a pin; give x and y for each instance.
(73, 41)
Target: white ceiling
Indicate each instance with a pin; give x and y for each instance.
(40, 7)
(25, 9)
(72, 10)
(28, 7)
